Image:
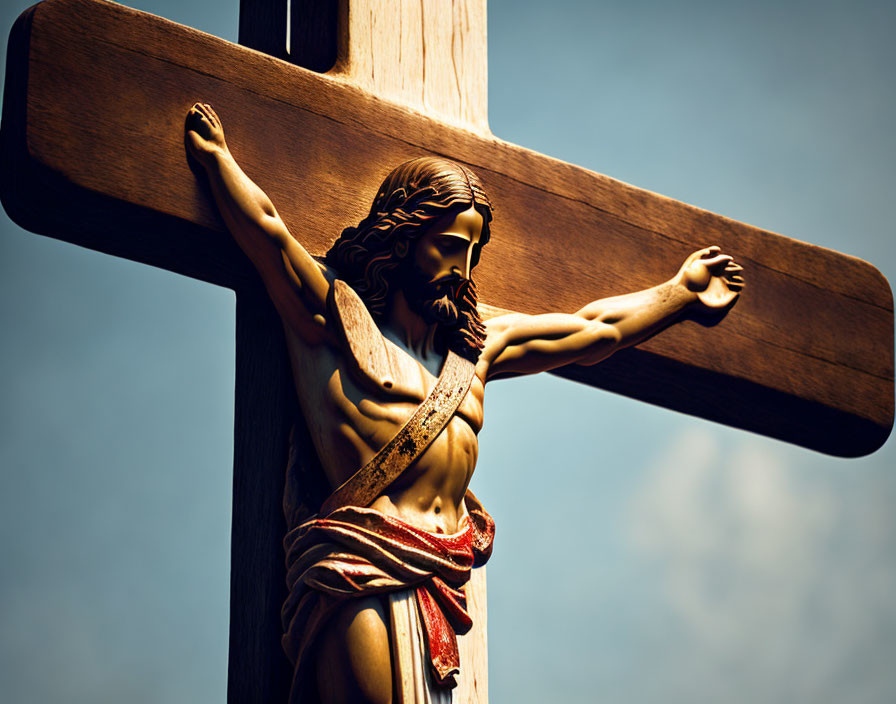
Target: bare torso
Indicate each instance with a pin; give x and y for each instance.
(350, 420)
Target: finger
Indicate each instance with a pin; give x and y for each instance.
(194, 139)
(710, 251)
(199, 120)
(735, 280)
(194, 113)
(195, 120)
(212, 115)
(735, 286)
(717, 261)
(734, 266)
(207, 114)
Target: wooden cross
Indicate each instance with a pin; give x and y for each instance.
(319, 145)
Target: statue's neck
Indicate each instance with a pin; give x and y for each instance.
(409, 329)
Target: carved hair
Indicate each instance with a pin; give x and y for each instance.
(411, 199)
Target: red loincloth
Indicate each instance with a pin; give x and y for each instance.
(355, 552)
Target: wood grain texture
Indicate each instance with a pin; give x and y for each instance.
(258, 670)
(410, 686)
(429, 55)
(805, 356)
(472, 683)
(255, 652)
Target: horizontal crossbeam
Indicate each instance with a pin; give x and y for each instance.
(806, 356)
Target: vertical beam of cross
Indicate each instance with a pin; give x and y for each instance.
(306, 33)
(258, 669)
(264, 408)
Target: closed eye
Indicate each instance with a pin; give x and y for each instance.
(447, 243)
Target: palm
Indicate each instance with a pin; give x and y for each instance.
(713, 277)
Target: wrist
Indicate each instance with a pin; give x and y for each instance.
(217, 157)
(680, 293)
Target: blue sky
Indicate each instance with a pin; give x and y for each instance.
(642, 555)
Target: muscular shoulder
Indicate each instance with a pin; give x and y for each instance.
(525, 344)
(499, 331)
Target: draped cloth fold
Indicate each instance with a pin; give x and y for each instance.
(356, 552)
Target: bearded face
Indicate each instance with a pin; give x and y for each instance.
(434, 300)
(420, 205)
(436, 281)
(450, 302)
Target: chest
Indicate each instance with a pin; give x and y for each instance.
(384, 380)
(373, 405)
(339, 391)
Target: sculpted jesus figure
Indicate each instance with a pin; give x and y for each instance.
(391, 359)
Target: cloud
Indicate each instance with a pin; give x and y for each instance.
(780, 575)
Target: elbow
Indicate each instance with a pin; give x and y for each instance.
(594, 313)
(605, 333)
(269, 224)
(268, 209)
(603, 340)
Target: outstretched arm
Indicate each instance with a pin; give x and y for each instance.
(524, 344)
(294, 280)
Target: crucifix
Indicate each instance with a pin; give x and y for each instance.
(795, 387)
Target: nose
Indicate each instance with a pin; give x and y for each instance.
(461, 271)
(467, 258)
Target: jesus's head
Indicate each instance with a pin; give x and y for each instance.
(423, 235)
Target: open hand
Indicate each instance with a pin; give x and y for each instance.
(714, 278)
(204, 134)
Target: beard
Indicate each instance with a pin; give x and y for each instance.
(449, 302)
(435, 300)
